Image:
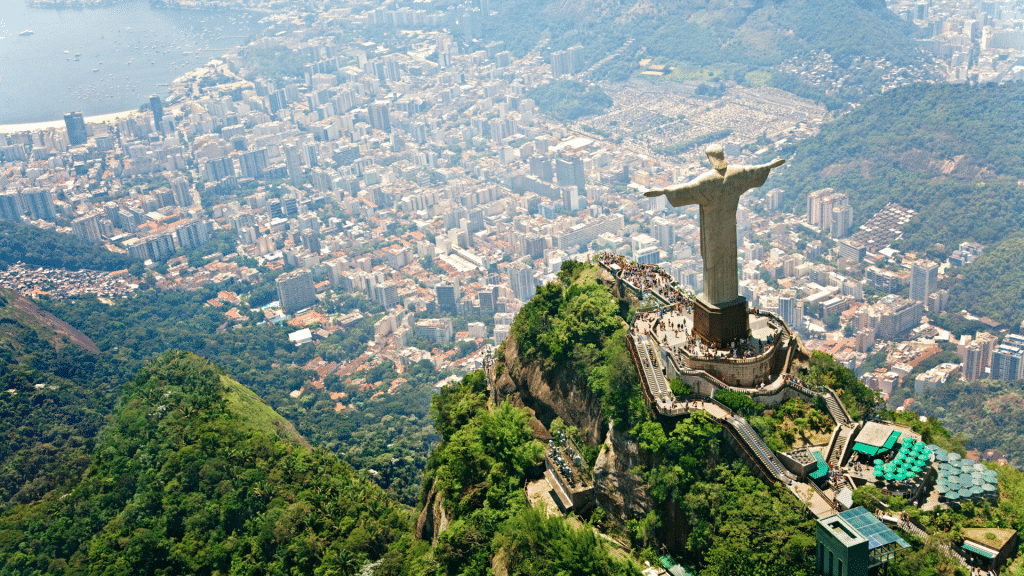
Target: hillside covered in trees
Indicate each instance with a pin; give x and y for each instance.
(197, 476)
(730, 37)
(51, 249)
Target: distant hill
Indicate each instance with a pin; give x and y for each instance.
(197, 476)
(737, 36)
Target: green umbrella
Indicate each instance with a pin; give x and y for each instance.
(940, 489)
(980, 468)
(916, 469)
(890, 476)
(988, 488)
(953, 456)
(878, 462)
(952, 494)
(966, 493)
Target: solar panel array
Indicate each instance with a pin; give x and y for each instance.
(877, 533)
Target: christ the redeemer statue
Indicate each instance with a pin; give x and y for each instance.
(718, 193)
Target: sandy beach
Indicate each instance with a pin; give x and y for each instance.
(12, 128)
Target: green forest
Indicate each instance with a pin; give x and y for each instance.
(195, 475)
(566, 100)
(51, 249)
(985, 413)
(390, 433)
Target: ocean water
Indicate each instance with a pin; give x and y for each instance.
(128, 51)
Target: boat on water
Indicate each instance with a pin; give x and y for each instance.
(26, 33)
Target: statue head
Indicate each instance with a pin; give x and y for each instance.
(717, 157)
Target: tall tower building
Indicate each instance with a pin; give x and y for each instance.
(39, 203)
(380, 118)
(521, 280)
(87, 228)
(293, 160)
(157, 106)
(75, 124)
(842, 221)
(1007, 363)
(447, 298)
(182, 192)
(924, 279)
(10, 206)
(295, 291)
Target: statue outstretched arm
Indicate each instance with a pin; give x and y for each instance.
(692, 192)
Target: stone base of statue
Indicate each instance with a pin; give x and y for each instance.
(720, 325)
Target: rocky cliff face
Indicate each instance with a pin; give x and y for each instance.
(550, 396)
(433, 519)
(620, 492)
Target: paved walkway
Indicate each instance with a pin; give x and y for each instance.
(820, 507)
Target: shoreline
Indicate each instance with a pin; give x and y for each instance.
(33, 126)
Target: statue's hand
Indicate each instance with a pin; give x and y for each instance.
(776, 163)
(653, 193)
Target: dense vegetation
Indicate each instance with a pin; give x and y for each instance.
(197, 476)
(719, 499)
(860, 401)
(985, 414)
(51, 249)
(575, 328)
(950, 152)
(477, 476)
(54, 400)
(388, 433)
(566, 100)
(993, 285)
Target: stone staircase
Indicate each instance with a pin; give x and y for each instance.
(835, 455)
(837, 412)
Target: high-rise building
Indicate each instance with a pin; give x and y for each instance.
(521, 281)
(157, 106)
(664, 231)
(75, 124)
(387, 294)
(218, 169)
(252, 163)
(39, 203)
(924, 279)
(87, 228)
(842, 221)
(295, 290)
(1007, 363)
(182, 192)
(488, 299)
(311, 241)
(380, 118)
(10, 206)
(540, 166)
(192, 234)
(447, 298)
(160, 246)
(293, 160)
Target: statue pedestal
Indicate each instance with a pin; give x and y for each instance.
(721, 324)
